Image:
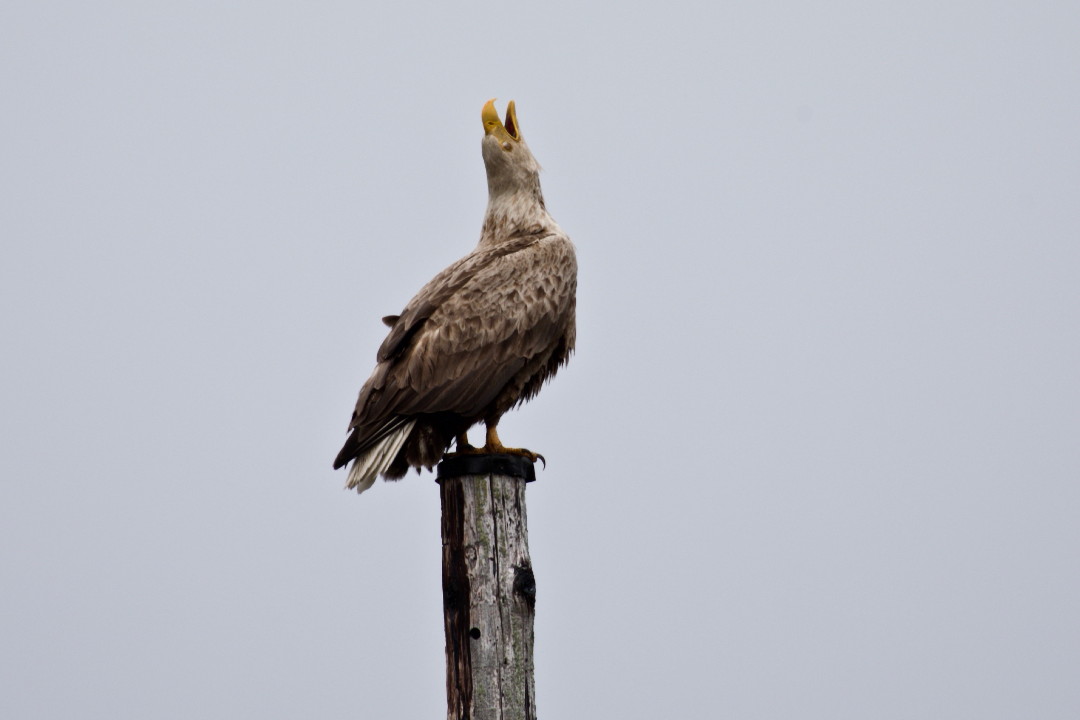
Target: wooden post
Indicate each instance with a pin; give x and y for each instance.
(489, 593)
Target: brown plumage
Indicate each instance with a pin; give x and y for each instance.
(481, 337)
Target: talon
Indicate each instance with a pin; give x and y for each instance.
(494, 446)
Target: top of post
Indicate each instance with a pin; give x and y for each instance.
(499, 464)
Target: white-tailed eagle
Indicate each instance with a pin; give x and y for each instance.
(481, 337)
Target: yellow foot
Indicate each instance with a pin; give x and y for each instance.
(498, 449)
(493, 446)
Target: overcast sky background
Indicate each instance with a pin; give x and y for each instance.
(817, 456)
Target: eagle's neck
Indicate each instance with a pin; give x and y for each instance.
(515, 212)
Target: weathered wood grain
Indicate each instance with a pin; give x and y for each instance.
(489, 595)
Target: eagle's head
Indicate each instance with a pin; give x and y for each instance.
(511, 167)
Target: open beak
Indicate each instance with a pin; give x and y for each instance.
(503, 131)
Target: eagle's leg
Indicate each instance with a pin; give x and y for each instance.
(494, 446)
(463, 445)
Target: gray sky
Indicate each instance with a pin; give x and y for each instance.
(817, 455)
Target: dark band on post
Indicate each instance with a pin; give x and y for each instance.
(509, 465)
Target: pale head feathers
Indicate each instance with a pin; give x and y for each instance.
(515, 201)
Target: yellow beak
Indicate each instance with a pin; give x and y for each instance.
(493, 126)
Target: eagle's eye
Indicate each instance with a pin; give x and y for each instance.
(508, 147)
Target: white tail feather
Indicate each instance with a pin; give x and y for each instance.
(367, 467)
